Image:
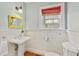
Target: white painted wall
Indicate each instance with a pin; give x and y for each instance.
(73, 16)
(73, 23)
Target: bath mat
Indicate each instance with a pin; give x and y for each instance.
(30, 53)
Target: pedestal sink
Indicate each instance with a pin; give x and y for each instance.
(19, 40)
(19, 43)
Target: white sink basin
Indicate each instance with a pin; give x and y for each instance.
(19, 40)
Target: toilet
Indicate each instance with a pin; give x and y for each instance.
(69, 49)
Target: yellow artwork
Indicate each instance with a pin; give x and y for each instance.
(15, 22)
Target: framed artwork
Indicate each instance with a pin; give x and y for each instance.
(15, 22)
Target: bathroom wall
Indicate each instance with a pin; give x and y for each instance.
(73, 16)
(54, 43)
(7, 8)
(73, 23)
(55, 36)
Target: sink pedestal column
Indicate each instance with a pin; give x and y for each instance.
(20, 49)
(16, 49)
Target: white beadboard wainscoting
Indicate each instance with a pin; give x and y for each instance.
(47, 39)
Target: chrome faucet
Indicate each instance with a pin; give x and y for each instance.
(21, 35)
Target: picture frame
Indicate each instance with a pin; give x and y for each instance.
(15, 22)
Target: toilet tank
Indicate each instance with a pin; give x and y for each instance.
(69, 49)
(73, 37)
